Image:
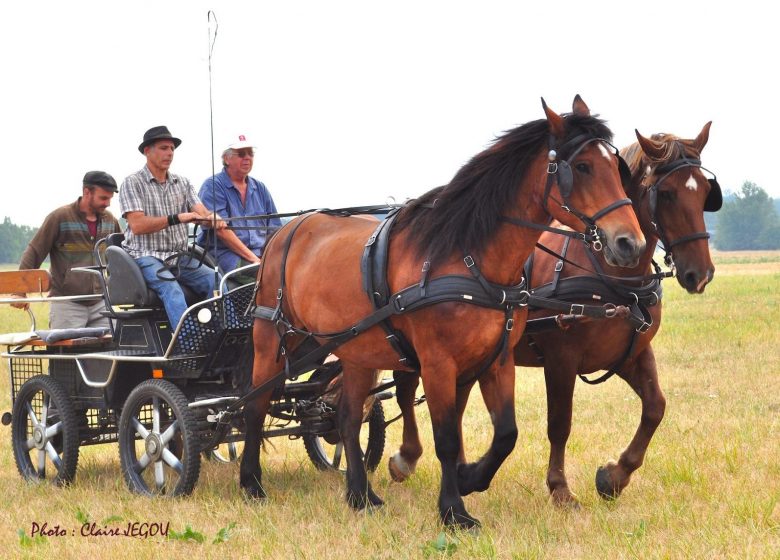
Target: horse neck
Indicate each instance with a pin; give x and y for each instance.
(503, 259)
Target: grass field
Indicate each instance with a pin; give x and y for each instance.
(709, 488)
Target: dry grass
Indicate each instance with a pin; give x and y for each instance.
(710, 487)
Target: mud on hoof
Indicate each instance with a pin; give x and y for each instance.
(460, 521)
(469, 480)
(364, 500)
(399, 469)
(605, 486)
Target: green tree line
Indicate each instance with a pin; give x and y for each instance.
(748, 220)
(14, 240)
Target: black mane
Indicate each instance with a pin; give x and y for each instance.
(467, 211)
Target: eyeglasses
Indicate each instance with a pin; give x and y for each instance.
(244, 153)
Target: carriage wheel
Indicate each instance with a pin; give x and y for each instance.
(327, 456)
(44, 430)
(158, 446)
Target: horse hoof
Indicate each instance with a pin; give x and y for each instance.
(360, 501)
(604, 485)
(460, 521)
(399, 469)
(255, 492)
(562, 498)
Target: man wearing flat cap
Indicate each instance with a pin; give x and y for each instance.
(68, 236)
(158, 205)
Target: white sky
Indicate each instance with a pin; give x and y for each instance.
(352, 102)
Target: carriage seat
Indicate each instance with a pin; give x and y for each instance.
(126, 285)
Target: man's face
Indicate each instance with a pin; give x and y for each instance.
(240, 161)
(160, 154)
(97, 199)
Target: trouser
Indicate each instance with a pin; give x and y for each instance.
(75, 315)
(200, 279)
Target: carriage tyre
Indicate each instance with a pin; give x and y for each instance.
(159, 450)
(45, 435)
(330, 457)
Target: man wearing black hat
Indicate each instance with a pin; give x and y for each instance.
(157, 205)
(67, 236)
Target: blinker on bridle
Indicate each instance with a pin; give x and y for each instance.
(560, 170)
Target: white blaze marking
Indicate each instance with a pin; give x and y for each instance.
(604, 152)
(691, 183)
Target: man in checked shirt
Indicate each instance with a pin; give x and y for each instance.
(157, 205)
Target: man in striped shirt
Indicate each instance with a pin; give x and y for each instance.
(67, 236)
(157, 205)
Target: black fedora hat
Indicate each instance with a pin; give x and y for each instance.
(157, 133)
(100, 179)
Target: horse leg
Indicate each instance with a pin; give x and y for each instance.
(356, 386)
(559, 380)
(498, 392)
(404, 461)
(440, 391)
(250, 474)
(613, 477)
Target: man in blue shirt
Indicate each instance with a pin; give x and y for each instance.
(233, 193)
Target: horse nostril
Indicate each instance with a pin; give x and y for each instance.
(626, 246)
(690, 280)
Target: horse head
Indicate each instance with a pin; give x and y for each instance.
(673, 194)
(589, 175)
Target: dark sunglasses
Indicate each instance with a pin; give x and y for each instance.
(244, 153)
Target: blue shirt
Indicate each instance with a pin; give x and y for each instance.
(228, 205)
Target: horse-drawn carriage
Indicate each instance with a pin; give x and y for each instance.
(156, 390)
(434, 293)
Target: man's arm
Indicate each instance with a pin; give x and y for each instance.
(139, 223)
(37, 250)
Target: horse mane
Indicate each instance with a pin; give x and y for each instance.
(674, 148)
(463, 216)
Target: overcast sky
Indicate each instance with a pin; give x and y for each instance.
(350, 103)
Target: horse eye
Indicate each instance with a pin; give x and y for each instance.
(582, 167)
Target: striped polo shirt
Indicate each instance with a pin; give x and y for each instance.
(141, 192)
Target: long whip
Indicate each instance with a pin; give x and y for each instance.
(212, 40)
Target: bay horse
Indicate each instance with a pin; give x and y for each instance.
(454, 268)
(669, 194)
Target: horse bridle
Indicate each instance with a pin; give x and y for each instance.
(559, 170)
(712, 203)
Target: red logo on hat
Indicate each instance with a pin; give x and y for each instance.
(242, 138)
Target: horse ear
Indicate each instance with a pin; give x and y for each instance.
(579, 108)
(701, 139)
(554, 120)
(649, 147)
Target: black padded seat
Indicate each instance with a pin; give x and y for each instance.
(126, 285)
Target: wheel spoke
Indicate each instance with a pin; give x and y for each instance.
(166, 436)
(139, 428)
(337, 454)
(172, 461)
(29, 444)
(232, 451)
(159, 475)
(53, 430)
(55, 458)
(31, 414)
(45, 409)
(142, 463)
(156, 415)
(41, 463)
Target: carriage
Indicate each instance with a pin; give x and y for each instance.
(452, 271)
(155, 389)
